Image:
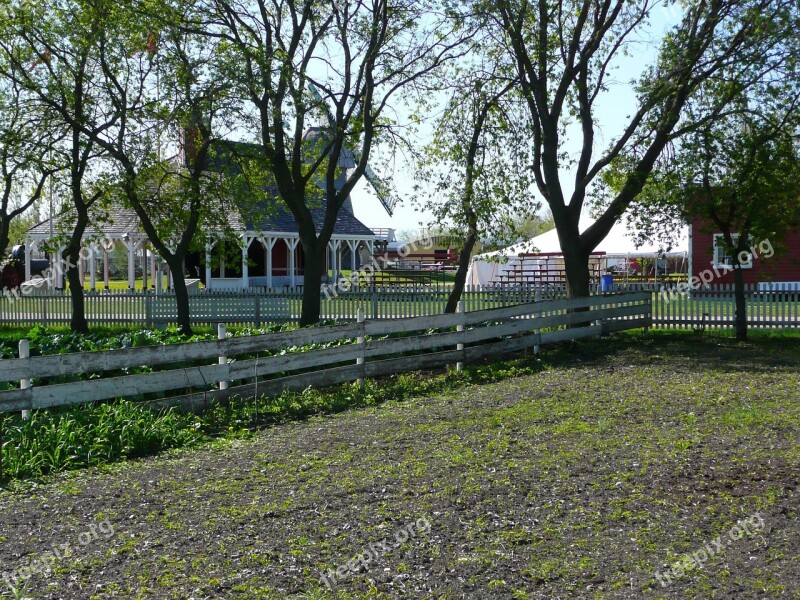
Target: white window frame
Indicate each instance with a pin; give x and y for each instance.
(721, 259)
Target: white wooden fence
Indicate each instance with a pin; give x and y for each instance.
(253, 307)
(201, 372)
(713, 307)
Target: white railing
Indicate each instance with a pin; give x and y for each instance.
(194, 375)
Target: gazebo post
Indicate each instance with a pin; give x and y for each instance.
(332, 259)
(144, 266)
(81, 267)
(245, 268)
(269, 244)
(92, 269)
(106, 277)
(153, 276)
(129, 244)
(292, 244)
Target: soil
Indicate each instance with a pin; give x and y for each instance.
(592, 478)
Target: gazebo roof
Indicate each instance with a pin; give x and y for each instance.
(272, 216)
(269, 215)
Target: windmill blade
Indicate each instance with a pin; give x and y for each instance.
(349, 159)
(382, 189)
(318, 98)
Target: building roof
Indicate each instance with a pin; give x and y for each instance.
(267, 215)
(273, 217)
(115, 220)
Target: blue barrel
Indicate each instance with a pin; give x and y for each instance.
(606, 283)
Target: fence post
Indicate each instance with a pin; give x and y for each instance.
(24, 384)
(221, 335)
(460, 328)
(360, 341)
(374, 303)
(258, 311)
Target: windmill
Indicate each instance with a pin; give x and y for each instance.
(349, 159)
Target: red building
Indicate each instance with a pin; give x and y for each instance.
(767, 263)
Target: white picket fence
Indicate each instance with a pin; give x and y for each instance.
(195, 374)
(254, 307)
(713, 307)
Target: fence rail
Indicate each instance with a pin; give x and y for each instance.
(712, 307)
(194, 375)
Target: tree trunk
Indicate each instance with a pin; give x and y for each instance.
(71, 257)
(5, 224)
(576, 268)
(312, 282)
(461, 272)
(175, 264)
(741, 303)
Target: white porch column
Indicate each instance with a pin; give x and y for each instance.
(144, 266)
(353, 245)
(81, 266)
(153, 276)
(106, 276)
(245, 269)
(332, 260)
(292, 244)
(92, 269)
(132, 246)
(269, 245)
(131, 267)
(28, 251)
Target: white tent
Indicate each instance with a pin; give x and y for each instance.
(619, 243)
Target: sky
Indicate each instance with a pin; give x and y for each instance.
(612, 109)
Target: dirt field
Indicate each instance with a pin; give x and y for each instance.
(623, 469)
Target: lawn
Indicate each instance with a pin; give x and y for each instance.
(592, 474)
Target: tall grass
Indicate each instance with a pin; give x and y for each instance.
(76, 437)
(88, 435)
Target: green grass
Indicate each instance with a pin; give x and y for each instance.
(81, 436)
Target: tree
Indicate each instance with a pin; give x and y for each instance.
(26, 140)
(159, 80)
(742, 174)
(565, 54)
(472, 164)
(529, 226)
(336, 65)
(49, 52)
